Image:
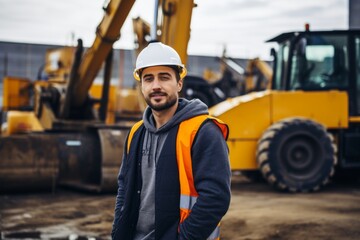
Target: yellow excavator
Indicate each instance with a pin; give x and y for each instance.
(64, 139)
(173, 28)
(307, 126)
(68, 136)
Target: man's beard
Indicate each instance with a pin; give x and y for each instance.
(164, 106)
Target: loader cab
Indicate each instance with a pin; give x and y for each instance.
(319, 61)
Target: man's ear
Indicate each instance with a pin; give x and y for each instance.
(180, 85)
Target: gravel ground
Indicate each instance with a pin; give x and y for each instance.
(256, 212)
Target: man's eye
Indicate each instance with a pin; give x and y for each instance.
(165, 77)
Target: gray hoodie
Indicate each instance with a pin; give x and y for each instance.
(153, 142)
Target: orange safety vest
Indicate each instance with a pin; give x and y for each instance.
(188, 193)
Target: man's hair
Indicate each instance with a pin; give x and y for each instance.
(173, 67)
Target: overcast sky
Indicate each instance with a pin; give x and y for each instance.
(242, 25)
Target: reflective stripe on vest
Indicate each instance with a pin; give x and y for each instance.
(184, 140)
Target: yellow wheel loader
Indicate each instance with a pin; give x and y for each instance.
(308, 124)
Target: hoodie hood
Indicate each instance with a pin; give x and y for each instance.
(186, 109)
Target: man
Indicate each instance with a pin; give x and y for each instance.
(174, 181)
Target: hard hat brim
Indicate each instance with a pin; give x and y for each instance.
(183, 71)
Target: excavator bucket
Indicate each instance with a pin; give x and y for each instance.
(93, 159)
(88, 160)
(28, 162)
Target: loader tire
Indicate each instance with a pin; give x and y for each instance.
(296, 155)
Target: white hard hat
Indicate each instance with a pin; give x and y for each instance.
(158, 54)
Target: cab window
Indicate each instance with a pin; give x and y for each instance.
(281, 66)
(321, 64)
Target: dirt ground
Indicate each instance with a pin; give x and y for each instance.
(256, 212)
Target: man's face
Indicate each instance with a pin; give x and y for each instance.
(160, 87)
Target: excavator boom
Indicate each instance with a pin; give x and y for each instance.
(107, 33)
(173, 25)
(175, 28)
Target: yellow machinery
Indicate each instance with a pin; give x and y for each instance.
(58, 63)
(64, 139)
(173, 20)
(308, 124)
(232, 80)
(171, 26)
(68, 137)
(258, 75)
(16, 94)
(236, 81)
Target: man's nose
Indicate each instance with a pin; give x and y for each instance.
(156, 83)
